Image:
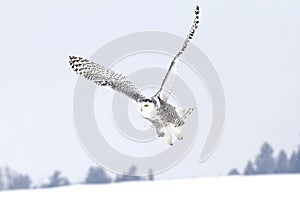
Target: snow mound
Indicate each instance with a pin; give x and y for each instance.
(233, 190)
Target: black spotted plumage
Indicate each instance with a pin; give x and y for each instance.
(168, 114)
(103, 76)
(162, 115)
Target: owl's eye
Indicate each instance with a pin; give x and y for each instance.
(146, 105)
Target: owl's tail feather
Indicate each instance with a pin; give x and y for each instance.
(184, 112)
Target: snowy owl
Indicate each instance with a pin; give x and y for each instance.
(165, 118)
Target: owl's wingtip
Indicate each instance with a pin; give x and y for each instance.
(72, 61)
(71, 57)
(197, 10)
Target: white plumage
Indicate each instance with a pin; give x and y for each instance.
(166, 119)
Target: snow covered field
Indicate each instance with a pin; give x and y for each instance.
(232, 190)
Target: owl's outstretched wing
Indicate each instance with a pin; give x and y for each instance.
(105, 77)
(170, 79)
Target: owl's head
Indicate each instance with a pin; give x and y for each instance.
(146, 107)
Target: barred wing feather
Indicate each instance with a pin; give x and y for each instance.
(105, 77)
(170, 78)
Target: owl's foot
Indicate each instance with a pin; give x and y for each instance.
(168, 136)
(169, 141)
(177, 132)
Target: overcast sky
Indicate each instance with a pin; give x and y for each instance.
(254, 46)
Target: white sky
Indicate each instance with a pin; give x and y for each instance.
(254, 46)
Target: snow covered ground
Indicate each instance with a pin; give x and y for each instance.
(232, 190)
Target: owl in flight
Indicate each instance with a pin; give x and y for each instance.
(165, 118)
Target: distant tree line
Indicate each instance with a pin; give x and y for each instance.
(97, 175)
(12, 180)
(266, 163)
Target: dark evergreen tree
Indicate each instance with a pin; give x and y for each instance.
(282, 164)
(150, 175)
(16, 181)
(233, 172)
(249, 170)
(130, 176)
(264, 161)
(1, 180)
(97, 175)
(19, 182)
(297, 167)
(294, 162)
(55, 180)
